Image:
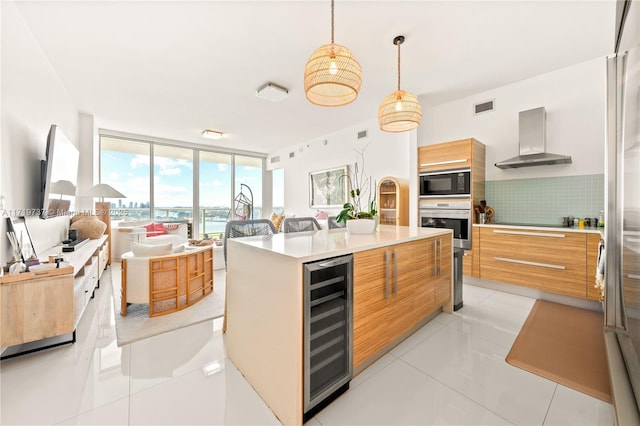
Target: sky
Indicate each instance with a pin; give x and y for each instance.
(173, 180)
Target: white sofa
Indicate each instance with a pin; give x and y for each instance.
(124, 233)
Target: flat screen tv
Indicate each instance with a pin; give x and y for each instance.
(59, 175)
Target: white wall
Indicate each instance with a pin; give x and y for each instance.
(33, 98)
(387, 154)
(574, 98)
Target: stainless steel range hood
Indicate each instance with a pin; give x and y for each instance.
(532, 143)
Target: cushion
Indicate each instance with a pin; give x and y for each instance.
(155, 229)
(89, 227)
(150, 228)
(147, 250)
(159, 228)
(277, 219)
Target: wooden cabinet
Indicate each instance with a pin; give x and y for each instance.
(395, 288)
(393, 201)
(38, 306)
(461, 154)
(445, 156)
(552, 261)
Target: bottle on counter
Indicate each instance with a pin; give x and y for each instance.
(601, 219)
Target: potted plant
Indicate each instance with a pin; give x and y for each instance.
(362, 203)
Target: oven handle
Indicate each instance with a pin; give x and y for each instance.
(446, 214)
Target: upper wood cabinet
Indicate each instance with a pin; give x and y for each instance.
(393, 201)
(445, 156)
(461, 154)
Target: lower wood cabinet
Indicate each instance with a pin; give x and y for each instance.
(38, 306)
(396, 287)
(552, 261)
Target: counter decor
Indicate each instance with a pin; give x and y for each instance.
(361, 226)
(362, 204)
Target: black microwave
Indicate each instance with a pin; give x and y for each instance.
(451, 183)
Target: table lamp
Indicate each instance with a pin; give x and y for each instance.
(103, 209)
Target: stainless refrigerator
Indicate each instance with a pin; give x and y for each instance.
(622, 216)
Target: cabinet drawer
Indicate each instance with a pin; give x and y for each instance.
(546, 260)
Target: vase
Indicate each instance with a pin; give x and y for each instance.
(361, 226)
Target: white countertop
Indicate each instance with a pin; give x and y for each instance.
(543, 228)
(312, 245)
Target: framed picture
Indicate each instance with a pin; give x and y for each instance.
(20, 239)
(328, 188)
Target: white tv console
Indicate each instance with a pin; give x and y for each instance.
(36, 309)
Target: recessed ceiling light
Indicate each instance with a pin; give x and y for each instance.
(212, 134)
(272, 92)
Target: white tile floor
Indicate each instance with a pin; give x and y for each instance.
(452, 371)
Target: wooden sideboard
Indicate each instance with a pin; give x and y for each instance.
(37, 306)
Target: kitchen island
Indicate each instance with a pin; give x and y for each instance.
(265, 300)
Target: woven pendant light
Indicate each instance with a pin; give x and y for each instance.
(400, 111)
(332, 76)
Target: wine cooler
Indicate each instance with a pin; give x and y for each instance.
(328, 336)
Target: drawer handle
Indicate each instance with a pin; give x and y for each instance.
(395, 272)
(533, 234)
(438, 163)
(526, 262)
(386, 275)
(634, 276)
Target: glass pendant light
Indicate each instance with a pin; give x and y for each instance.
(332, 76)
(401, 110)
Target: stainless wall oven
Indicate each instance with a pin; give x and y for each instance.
(445, 184)
(455, 215)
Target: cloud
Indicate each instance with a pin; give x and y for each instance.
(170, 171)
(222, 167)
(114, 176)
(140, 161)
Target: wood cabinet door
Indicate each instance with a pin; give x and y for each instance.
(403, 290)
(445, 156)
(546, 260)
(371, 292)
(423, 253)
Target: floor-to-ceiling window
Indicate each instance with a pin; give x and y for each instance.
(125, 165)
(172, 183)
(248, 187)
(215, 192)
(168, 182)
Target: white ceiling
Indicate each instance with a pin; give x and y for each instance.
(170, 69)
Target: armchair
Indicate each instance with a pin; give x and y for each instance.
(168, 279)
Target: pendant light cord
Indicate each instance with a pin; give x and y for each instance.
(332, 21)
(399, 67)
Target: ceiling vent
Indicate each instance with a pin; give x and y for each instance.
(362, 134)
(272, 92)
(275, 159)
(292, 154)
(483, 107)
